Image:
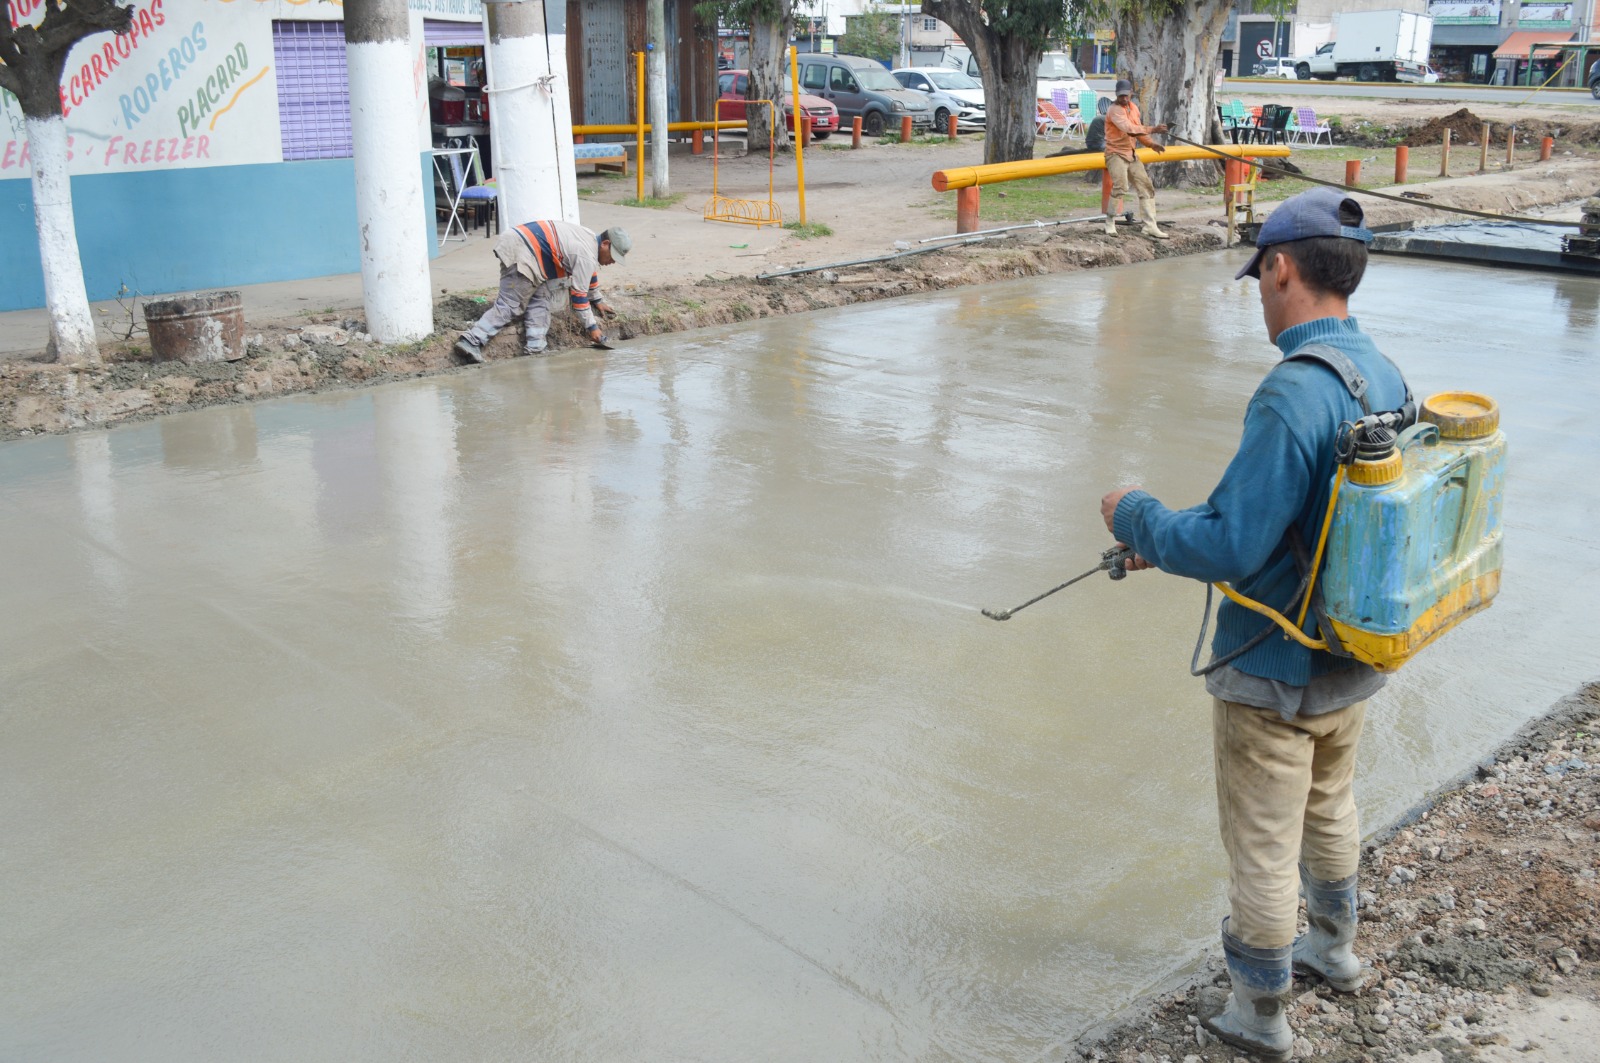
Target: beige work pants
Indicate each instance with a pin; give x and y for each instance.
(1283, 795)
(1123, 171)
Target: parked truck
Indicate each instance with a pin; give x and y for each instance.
(1373, 46)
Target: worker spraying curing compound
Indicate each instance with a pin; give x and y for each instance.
(1403, 521)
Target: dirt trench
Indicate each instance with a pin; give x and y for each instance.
(331, 352)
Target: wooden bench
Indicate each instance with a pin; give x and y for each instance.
(610, 157)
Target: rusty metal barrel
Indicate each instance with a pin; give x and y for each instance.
(208, 327)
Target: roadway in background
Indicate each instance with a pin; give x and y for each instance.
(1394, 91)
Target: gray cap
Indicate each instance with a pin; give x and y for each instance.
(1124, 87)
(1319, 212)
(621, 242)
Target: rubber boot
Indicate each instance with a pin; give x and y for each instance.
(470, 347)
(1326, 949)
(1255, 1017)
(1111, 225)
(1147, 208)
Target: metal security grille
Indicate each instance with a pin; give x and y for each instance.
(437, 33)
(313, 90)
(606, 74)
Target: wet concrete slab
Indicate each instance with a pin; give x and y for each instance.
(639, 704)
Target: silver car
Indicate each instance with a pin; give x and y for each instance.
(950, 92)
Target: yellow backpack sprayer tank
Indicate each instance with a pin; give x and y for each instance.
(1411, 542)
(1415, 543)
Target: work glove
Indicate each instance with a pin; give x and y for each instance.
(605, 310)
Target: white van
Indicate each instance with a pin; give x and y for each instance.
(1056, 71)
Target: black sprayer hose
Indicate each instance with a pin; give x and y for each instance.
(1265, 167)
(1238, 651)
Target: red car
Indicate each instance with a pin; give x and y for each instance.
(733, 84)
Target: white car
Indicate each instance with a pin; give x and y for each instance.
(941, 80)
(1429, 76)
(1276, 68)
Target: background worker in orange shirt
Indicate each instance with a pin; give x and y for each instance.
(1124, 135)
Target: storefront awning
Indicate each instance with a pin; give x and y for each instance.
(1469, 37)
(1516, 46)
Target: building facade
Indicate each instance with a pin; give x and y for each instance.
(211, 145)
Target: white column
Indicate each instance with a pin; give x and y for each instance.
(65, 297)
(394, 230)
(655, 65)
(530, 118)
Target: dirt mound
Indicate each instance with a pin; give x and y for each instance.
(458, 311)
(1467, 128)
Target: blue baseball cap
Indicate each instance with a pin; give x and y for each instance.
(1314, 213)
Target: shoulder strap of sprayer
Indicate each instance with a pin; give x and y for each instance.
(1345, 369)
(1354, 382)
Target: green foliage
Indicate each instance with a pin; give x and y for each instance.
(875, 34)
(809, 230)
(743, 12)
(1037, 199)
(651, 201)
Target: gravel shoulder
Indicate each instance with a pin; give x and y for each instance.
(1478, 917)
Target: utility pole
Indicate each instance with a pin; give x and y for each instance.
(655, 76)
(396, 285)
(530, 114)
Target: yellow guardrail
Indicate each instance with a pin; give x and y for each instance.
(995, 172)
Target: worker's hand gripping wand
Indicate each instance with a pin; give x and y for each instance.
(1113, 561)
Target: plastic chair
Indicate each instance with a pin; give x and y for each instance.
(484, 196)
(1274, 124)
(1311, 130)
(1076, 124)
(1049, 120)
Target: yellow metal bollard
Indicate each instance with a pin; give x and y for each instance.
(638, 134)
(803, 127)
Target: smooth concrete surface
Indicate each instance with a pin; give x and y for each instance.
(639, 705)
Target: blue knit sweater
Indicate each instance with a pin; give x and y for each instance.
(1280, 476)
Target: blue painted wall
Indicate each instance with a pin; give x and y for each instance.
(160, 231)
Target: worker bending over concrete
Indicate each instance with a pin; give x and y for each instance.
(1124, 135)
(538, 262)
(1285, 719)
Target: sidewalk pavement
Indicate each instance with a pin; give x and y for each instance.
(671, 246)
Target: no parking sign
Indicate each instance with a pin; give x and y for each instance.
(1264, 49)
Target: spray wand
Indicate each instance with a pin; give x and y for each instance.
(1114, 561)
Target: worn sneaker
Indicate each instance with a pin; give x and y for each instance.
(470, 349)
(531, 351)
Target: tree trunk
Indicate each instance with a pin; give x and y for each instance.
(769, 80)
(31, 61)
(1172, 60)
(72, 337)
(1010, 67)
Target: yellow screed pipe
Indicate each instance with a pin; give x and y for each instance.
(994, 172)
